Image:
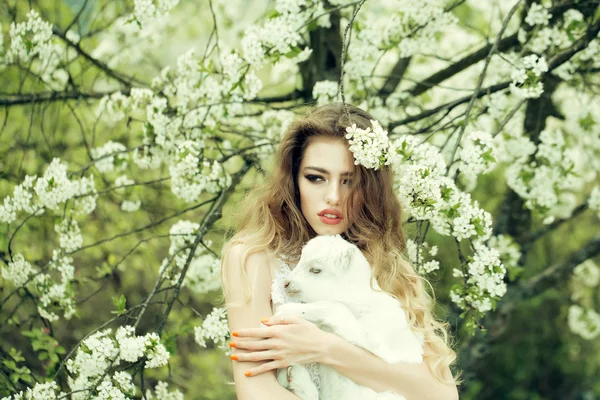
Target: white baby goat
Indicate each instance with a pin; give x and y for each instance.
(333, 287)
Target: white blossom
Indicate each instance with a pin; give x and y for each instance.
(192, 176)
(110, 156)
(130, 205)
(588, 273)
(123, 180)
(584, 322)
(41, 391)
(54, 188)
(525, 79)
(325, 91)
(161, 392)
(29, 39)
(417, 258)
(69, 235)
(476, 153)
(156, 353)
(509, 250)
(369, 146)
(146, 11)
(22, 200)
(213, 328)
(18, 271)
(537, 15)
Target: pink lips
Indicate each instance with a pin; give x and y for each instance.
(330, 221)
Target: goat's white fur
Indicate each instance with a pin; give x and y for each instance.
(344, 299)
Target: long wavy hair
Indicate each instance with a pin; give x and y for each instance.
(270, 219)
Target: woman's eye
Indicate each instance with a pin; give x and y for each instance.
(316, 178)
(315, 271)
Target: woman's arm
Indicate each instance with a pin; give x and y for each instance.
(297, 341)
(247, 315)
(413, 381)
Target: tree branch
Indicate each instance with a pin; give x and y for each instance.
(33, 98)
(461, 65)
(127, 81)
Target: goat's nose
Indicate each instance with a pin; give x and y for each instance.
(286, 283)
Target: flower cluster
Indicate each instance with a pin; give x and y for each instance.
(369, 146)
(417, 258)
(131, 205)
(111, 156)
(29, 39)
(510, 253)
(542, 183)
(204, 271)
(583, 319)
(526, 82)
(428, 194)
(280, 35)
(214, 328)
(191, 175)
(49, 191)
(270, 128)
(146, 11)
(18, 271)
(584, 322)
(41, 391)
(410, 28)
(588, 273)
(161, 392)
(325, 92)
(34, 196)
(476, 155)
(69, 235)
(537, 15)
(104, 351)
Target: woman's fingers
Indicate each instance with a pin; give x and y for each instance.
(255, 356)
(265, 344)
(282, 320)
(265, 367)
(256, 333)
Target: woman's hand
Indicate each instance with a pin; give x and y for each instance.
(284, 340)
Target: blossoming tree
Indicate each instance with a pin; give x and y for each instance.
(125, 142)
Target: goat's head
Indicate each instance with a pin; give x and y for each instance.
(330, 268)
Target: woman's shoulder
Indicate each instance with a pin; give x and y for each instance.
(237, 247)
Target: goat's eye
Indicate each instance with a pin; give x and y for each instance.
(315, 271)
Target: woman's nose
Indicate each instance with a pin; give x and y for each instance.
(333, 194)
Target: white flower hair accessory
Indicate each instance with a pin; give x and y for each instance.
(370, 146)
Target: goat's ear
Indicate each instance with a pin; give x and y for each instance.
(346, 257)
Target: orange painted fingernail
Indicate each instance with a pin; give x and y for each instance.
(232, 344)
(264, 320)
(248, 373)
(234, 357)
(234, 333)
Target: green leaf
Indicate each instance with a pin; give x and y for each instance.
(120, 304)
(487, 156)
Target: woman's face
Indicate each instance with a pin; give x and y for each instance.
(324, 179)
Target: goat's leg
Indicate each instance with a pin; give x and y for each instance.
(300, 383)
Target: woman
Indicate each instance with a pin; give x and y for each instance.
(316, 189)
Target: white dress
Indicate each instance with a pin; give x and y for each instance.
(279, 297)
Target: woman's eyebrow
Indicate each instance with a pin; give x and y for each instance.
(324, 171)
